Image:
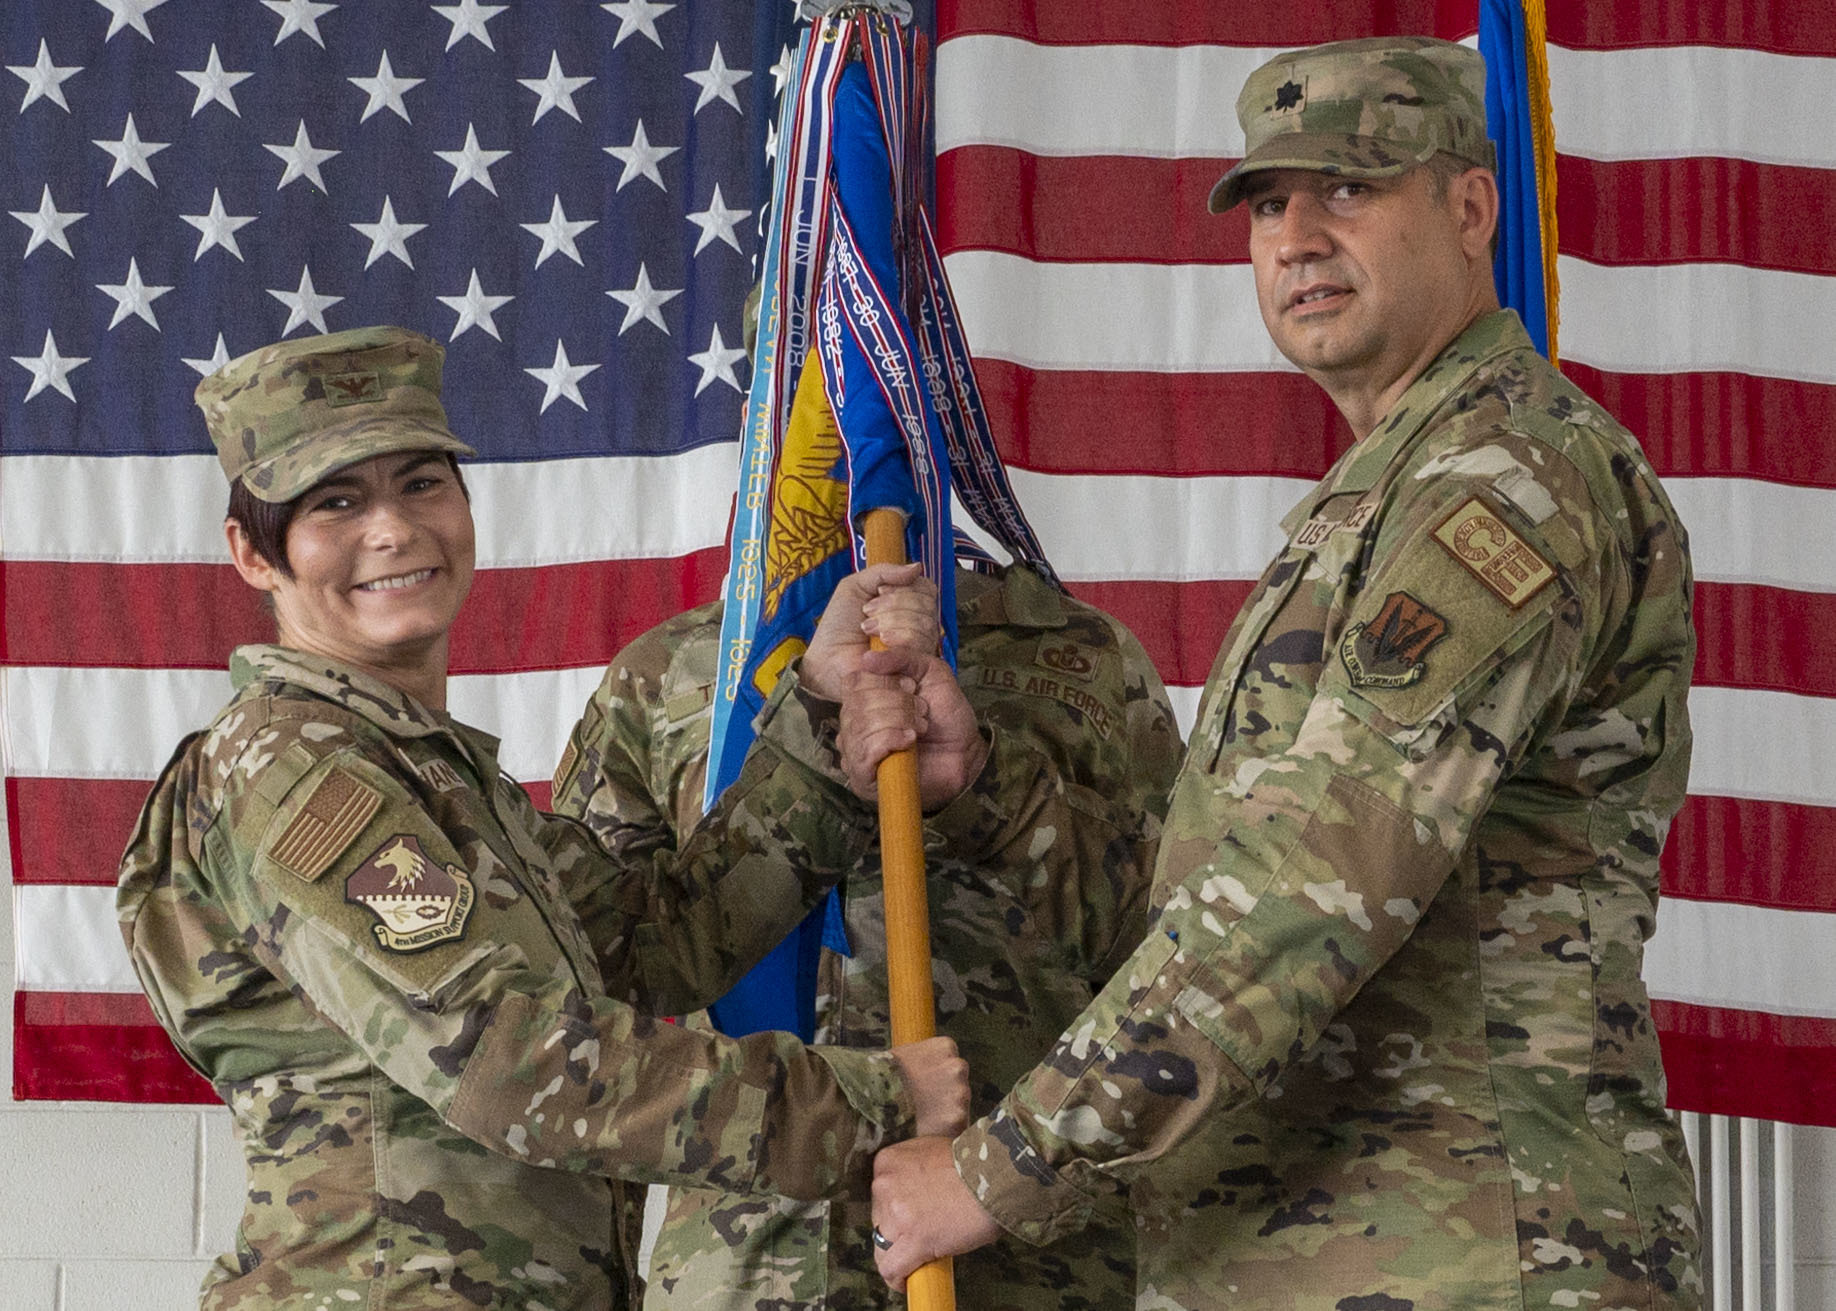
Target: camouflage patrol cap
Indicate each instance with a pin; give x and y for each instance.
(1365, 109)
(286, 415)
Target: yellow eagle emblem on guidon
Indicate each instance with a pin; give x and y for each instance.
(809, 510)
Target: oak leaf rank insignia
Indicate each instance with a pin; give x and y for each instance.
(1389, 651)
(419, 903)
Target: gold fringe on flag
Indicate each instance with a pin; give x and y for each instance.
(1542, 132)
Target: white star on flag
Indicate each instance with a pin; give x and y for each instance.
(388, 236)
(554, 91)
(131, 152)
(302, 159)
(562, 378)
(214, 84)
(385, 91)
(637, 16)
(558, 234)
(49, 369)
(295, 16)
(44, 80)
(129, 13)
(717, 222)
(474, 308)
(305, 305)
(217, 228)
(640, 159)
(218, 358)
(717, 82)
(471, 163)
(781, 71)
(48, 224)
(643, 301)
(468, 18)
(718, 361)
(133, 296)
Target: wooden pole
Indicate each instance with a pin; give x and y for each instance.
(931, 1287)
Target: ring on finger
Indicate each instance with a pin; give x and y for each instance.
(880, 1240)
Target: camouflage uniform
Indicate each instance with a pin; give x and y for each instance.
(355, 927)
(1386, 1045)
(1016, 957)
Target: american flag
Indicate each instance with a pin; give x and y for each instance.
(565, 194)
(1155, 435)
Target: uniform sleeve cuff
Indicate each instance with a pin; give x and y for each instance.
(972, 821)
(801, 727)
(1010, 1180)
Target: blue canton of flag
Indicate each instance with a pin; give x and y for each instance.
(565, 193)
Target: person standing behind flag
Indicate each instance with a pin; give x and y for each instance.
(1386, 1047)
(1015, 957)
(354, 925)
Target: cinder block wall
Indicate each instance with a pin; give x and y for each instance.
(115, 1209)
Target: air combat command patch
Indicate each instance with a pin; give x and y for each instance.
(419, 902)
(1389, 651)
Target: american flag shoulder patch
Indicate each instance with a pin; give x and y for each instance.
(340, 805)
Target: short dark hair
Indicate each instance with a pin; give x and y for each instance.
(1442, 168)
(265, 523)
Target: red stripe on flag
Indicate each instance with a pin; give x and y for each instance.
(1786, 29)
(565, 616)
(72, 830)
(1126, 22)
(1698, 209)
(1136, 210)
(1075, 422)
(1071, 421)
(99, 1062)
(1752, 636)
(1732, 425)
(1769, 638)
(57, 613)
(1748, 1063)
(1129, 209)
(556, 617)
(1181, 625)
(1757, 853)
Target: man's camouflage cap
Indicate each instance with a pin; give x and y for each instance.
(287, 415)
(1365, 109)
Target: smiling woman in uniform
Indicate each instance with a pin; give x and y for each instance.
(383, 958)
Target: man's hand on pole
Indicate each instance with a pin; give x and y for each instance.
(922, 1209)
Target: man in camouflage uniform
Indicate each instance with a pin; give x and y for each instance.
(356, 927)
(1016, 958)
(1386, 1045)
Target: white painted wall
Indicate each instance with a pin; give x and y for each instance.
(106, 1208)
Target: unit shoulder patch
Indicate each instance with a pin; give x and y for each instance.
(419, 903)
(340, 805)
(1389, 651)
(1478, 537)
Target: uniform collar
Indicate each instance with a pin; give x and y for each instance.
(1015, 596)
(394, 712)
(1498, 333)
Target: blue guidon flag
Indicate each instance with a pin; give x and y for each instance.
(862, 398)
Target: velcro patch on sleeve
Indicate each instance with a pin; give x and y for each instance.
(1478, 537)
(340, 805)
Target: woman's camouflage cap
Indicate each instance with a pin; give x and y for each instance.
(1365, 109)
(287, 415)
